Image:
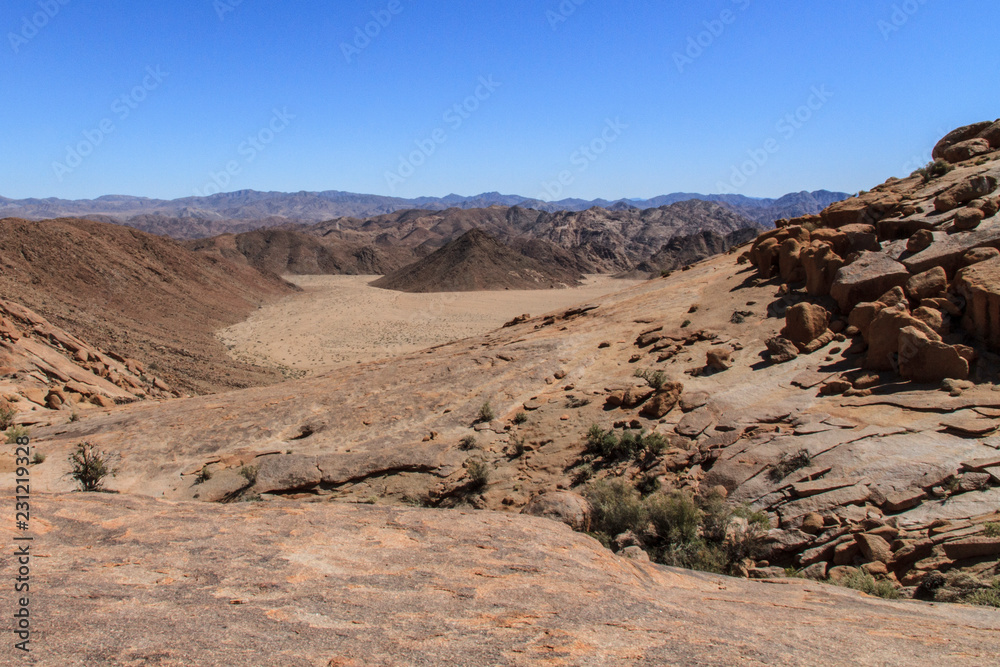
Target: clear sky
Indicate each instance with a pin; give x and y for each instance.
(169, 98)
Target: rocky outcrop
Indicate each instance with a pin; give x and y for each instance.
(979, 284)
(866, 279)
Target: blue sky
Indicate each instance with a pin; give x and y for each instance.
(582, 98)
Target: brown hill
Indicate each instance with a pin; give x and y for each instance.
(473, 262)
(141, 296)
(596, 240)
(289, 251)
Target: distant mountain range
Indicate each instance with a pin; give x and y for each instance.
(245, 210)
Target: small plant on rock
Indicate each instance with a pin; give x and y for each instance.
(991, 529)
(90, 467)
(249, 474)
(15, 432)
(860, 580)
(935, 169)
(38, 458)
(7, 414)
(520, 418)
(516, 447)
(486, 413)
(479, 474)
(654, 378)
(789, 464)
(468, 443)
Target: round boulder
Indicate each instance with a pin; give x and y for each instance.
(570, 508)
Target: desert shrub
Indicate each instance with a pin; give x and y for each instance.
(90, 466)
(74, 417)
(479, 474)
(617, 508)
(629, 444)
(15, 432)
(583, 474)
(986, 597)
(38, 458)
(935, 169)
(860, 580)
(991, 529)
(599, 441)
(468, 443)
(517, 447)
(789, 464)
(486, 413)
(675, 517)
(7, 414)
(654, 378)
(249, 474)
(204, 475)
(520, 418)
(648, 484)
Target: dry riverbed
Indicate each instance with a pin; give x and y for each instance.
(340, 320)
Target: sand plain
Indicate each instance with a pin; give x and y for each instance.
(341, 320)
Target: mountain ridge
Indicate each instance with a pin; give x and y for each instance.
(242, 210)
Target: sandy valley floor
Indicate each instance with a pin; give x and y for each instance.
(340, 320)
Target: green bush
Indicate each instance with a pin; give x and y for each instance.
(249, 474)
(617, 508)
(985, 597)
(654, 378)
(991, 529)
(468, 443)
(935, 169)
(15, 432)
(789, 464)
(7, 414)
(90, 467)
(479, 474)
(675, 517)
(628, 445)
(520, 418)
(860, 580)
(38, 458)
(517, 447)
(486, 413)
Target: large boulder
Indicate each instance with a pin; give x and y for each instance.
(924, 360)
(968, 218)
(867, 209)
(927, 285)
(569, 508)
(821, 263)
(958, 136)
(663, 401)
(964, 192)
(966, 150)
(883, 336)
(866, 279)
(805, 322)
(789, 265)
(980, 285)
